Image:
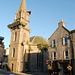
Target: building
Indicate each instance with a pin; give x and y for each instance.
(73, 49)
(24, 53)
(62, 49)
(38, 57)
(5, 60)
(2, 50)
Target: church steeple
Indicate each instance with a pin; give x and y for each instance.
(23, 6)
(22, 16)
(20, 35)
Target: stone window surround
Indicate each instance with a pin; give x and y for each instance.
(54, 55)
(53, 43)
(14, 35)
(65, 55)
(64, 41)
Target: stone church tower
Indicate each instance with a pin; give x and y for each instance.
(20, 34)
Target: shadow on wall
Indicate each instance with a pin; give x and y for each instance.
(35, 62)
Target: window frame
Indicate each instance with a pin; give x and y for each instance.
(54, 55)
(64, 41)
(13, 52)
(66, 56)
(53, 43)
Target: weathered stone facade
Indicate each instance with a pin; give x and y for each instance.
(24, 54)
(60, 48)
(20, 34)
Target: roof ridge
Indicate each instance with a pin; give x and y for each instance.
(33, 38)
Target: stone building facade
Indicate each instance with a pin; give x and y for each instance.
(23, 53)
(61, 49)
(73, 50)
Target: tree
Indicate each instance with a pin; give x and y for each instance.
(42, 46)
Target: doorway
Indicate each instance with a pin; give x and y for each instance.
(64, 70)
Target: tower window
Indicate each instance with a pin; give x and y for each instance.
(12, 67)
(15, 36)
(13, 52)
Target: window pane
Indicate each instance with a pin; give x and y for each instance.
(66, 54)
(66, 40)
(54, 55)
(14, 52)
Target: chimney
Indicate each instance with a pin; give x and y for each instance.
(61, 23)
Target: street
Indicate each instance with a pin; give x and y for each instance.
(3, 72)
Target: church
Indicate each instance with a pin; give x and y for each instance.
(24, 54)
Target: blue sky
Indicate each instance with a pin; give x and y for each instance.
(44, 19)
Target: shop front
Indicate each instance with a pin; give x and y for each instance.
(61, 67)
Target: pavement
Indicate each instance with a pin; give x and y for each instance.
(4, 72)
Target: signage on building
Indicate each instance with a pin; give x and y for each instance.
(17, 63)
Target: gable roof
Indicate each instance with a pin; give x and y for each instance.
(38, 39)
(66, 29)
(63, 28)
(53, 33)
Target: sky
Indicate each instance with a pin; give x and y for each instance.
(46, 14)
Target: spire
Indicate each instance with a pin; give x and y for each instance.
(23, 6)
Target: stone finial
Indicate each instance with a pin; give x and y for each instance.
(61, 21)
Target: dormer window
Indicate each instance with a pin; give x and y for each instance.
(53, 43)
(64, 41)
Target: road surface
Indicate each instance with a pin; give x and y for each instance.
(3, 72)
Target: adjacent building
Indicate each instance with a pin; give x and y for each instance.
(2, 50)
(62, 49)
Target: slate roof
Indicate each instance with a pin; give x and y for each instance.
(38, 39)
